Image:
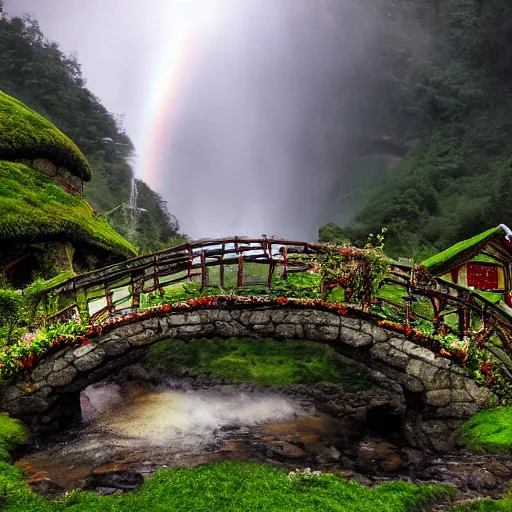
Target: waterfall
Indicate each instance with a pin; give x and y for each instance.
(132, 210)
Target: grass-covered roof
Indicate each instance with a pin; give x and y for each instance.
(34, 209)
(461, 252)
(25, 135)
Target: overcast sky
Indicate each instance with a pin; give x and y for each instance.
(245, 152)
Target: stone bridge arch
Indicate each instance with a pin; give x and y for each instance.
(438, 394)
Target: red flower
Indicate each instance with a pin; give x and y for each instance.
(342, 310)
(282, 301)
(445, 353)
(486, 368)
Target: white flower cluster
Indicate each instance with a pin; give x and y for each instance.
(303, 473)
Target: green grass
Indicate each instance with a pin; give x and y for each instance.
(25, 134)
(264, 362)
(486, 505)
(443, 261)
(393, 293)
(33, 209)
(231, 487)
(488, 431)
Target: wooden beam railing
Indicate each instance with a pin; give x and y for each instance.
(190, 261)
(235, 257)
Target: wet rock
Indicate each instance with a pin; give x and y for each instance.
(62, 378)
(286, 450)
(482, 480)
(125, 480)
(46, 487)
(391, 464)
(499, 469)
(373, 455)
(331, 453)
(105, 491)
(438, 397)
(377, 333)
(90, 360)
(116, 347)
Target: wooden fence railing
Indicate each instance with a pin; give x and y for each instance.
(235, 262)
(223, 263)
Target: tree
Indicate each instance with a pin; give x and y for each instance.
(332, 233)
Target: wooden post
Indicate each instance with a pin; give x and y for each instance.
(136, 291)
(221, 270)
(110, 303)
(271, 270)
(240, 274)
(204, 271)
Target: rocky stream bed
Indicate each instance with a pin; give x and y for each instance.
(134, 424)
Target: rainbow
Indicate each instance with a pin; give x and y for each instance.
(188, 20)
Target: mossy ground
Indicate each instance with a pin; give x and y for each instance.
(24, 134)
(33, 208)
(231, 487)
(264, 362)
(486, 505)
(488, 431)
(12, 434)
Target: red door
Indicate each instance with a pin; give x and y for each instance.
(483, 277)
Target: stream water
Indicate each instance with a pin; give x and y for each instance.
(130, 429)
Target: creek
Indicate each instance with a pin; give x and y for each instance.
(130, 427)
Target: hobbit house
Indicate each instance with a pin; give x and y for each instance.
(46, 225)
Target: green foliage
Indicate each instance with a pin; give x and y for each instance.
(25, 134)
(488, 431)
(332, 233)
(33, 208)
(12, 434)
(301, 285)
(358, 271)
(21, 354)
(11, 310)
(442, 79)
(264, 362)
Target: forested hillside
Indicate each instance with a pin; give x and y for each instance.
(35, 71)
(442, 79)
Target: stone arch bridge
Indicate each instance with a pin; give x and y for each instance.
(438, 395)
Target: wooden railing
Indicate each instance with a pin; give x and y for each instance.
(455, 308)
(238, 262)
(234, 263)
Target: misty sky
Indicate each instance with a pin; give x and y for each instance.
(248, 150)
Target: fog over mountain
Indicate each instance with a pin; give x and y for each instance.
(263, 124)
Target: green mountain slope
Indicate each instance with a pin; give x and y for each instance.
(445, 83)
(36, 72)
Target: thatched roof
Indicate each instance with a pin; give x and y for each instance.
(26, 135)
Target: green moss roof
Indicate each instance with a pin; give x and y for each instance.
(34, 209)
(460, 252)
(25, 135)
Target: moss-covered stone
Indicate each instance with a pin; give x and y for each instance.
(25, 134)
(12, 434)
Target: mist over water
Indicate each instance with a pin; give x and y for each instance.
(180, 420)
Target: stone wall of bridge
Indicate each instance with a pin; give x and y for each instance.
(438, 394)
